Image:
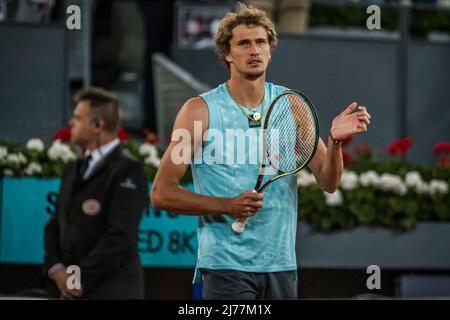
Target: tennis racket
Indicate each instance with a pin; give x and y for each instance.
(290, 137)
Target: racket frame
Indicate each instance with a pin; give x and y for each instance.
(258, 186)
(239, 224)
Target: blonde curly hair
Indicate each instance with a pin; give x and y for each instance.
(247, 15)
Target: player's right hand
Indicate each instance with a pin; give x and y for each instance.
(245, 205)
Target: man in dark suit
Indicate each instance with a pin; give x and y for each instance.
(101, 201)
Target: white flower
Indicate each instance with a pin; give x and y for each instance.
(401, 189)
(152, 161)
(3, 153)
(305, 179)
(22, 158)
(438, 186)
(53, 151)
(333, 199)
(35, 145)
(148, 150)
(369, 178)
(423, 188)
(12, 158)
(390, 182)
(349, 180)
(414, 180)
(67, 154)
(33, 168)
(60, 151)
(150, 153)
(8, 172)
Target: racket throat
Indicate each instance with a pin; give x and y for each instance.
(263, 187)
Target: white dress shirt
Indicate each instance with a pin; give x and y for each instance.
(98, 154)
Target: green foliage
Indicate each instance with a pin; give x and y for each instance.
(53, 168)
(426, 20)
(350, 15)
(422, 20)
(371, 205)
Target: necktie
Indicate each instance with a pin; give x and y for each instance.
(84, 165)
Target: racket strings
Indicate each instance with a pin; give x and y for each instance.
(290, 133)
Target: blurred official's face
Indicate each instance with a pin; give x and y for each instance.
(249, 51)
(82, 128)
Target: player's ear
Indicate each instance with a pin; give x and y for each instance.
(228, 58)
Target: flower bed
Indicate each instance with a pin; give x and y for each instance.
(47, 159)
(373, 191)
(390, 192)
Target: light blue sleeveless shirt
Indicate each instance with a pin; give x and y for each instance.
(268, 241)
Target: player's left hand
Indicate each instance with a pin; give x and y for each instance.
(348, 122)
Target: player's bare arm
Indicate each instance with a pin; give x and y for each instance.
(168, 195)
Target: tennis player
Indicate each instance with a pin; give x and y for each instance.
(259, 263)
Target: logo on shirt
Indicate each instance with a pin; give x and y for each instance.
(128, 184)
(91, 207)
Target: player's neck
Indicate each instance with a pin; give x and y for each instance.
(245, 92)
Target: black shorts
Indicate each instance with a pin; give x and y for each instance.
(239, 285)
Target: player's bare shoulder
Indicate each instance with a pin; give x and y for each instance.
(194, 109)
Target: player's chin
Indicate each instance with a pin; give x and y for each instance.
(254, 74)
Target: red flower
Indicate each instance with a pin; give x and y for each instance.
(150, 136)
(444, 160)
(122, 134)
(348, 159)
(63, 135)
(441, 147)
(363, 148)
(400, 147)
(145, 132)
(347, 141)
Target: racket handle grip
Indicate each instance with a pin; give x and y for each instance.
(238, 225)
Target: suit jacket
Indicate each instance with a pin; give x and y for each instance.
(96, 226)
